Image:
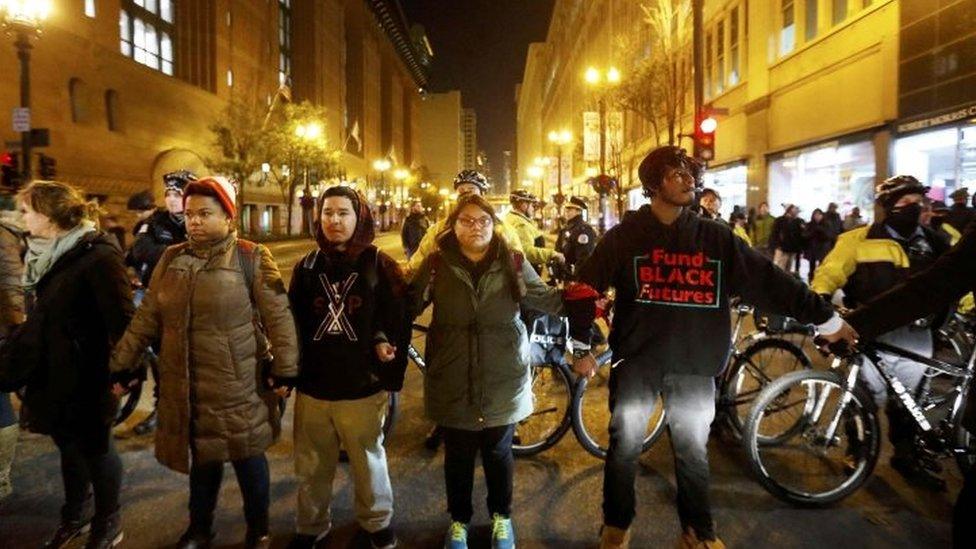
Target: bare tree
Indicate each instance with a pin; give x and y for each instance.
(656, 56)
(239, 141)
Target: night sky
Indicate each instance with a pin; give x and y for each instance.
(479, 47)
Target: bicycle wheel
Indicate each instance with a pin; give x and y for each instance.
(761, 363)
(830, 456)
(552, 396)
(591, 417)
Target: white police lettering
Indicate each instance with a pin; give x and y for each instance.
(336, 322)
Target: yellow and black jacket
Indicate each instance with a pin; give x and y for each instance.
(868, 261)
(532, 240)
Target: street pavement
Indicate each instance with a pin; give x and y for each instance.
(557, 493)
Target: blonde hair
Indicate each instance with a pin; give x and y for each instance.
(64, 204)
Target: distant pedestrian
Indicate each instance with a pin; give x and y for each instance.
(787, 239)
(761, 228)
(414, 227)
(818, 235)
(854, 220)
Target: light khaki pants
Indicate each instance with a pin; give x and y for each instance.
(320, 427)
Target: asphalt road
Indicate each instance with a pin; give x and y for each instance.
(557, 494)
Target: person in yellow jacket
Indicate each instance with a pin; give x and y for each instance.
(738, 220)
(868, 261)
(520, 219)
(466, 182)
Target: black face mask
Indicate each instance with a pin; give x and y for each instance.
(904, 220)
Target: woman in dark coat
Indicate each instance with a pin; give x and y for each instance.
(819, 236)
(79, 303)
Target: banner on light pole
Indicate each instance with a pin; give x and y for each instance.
(615, 131)
(591, 136)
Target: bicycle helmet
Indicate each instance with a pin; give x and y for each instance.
(178, 180)
(473, 177)
(522, 195)
(889, 191)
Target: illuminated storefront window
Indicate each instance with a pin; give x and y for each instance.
(943, 159)
(840, 172)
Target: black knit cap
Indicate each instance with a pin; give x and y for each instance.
(141, 201)
(652, 169)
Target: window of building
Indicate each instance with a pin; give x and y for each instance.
(734, 47)
(708, 64)
(943, 158)
(284, 42)
(839, 12)
(720, 57)
(810, 21)
(112, 110)
(730, 183)
(145, 31)
(230, 78)
(90, 8)
(787, 33)
(76, 97)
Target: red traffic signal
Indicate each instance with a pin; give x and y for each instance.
(705, 138)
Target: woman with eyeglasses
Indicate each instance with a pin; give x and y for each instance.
(478, 378)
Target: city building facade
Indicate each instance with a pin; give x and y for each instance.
(441, 138)
(816, 100)
(128, 89)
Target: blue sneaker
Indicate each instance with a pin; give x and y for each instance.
(457, 536)
(502, 532)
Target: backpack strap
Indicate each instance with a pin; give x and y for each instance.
(368, 266)
(246, 250)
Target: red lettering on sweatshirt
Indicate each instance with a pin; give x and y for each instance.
(677, 279)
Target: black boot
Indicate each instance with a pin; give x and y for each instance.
(67, 531)
(147, 425)
(107, 533)
(917, 474)
(433, 439)
(191, 539)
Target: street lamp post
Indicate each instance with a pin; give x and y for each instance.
(310, 133)
(22, 20)
(381, 165)
(603, 79)
(401, 176)
(560, 138)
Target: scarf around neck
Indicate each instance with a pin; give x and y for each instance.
(42, 254)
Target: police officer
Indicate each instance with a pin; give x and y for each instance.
(521, 219)
(960, 214)
(162, 229)
(577, 239)
(868, 261)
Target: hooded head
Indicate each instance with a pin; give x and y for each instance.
(364, 233)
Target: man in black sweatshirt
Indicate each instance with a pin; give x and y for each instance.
(674, 273)
(348, 299)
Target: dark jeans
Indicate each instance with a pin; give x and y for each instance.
(254, 481)
(963, 526)
(8, 416)
(689, 403)
(460, 449)
(89, 464)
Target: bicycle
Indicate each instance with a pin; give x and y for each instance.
(754, 361)
(831, 441)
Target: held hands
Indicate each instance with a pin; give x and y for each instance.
(385, 352)
(118, 389)
(558, 256)
(282, 390)
(585, 366)
(843, 338)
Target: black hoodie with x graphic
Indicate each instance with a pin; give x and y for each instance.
(344, 303)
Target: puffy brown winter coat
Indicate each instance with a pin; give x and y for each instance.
(213, 404)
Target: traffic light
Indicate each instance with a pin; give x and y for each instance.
(10, 166)
(48, 167)
(705, 137)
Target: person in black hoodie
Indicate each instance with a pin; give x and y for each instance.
(349, 303)
(674, 273)
(819, 237)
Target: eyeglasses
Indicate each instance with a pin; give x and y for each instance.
(471, 222)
